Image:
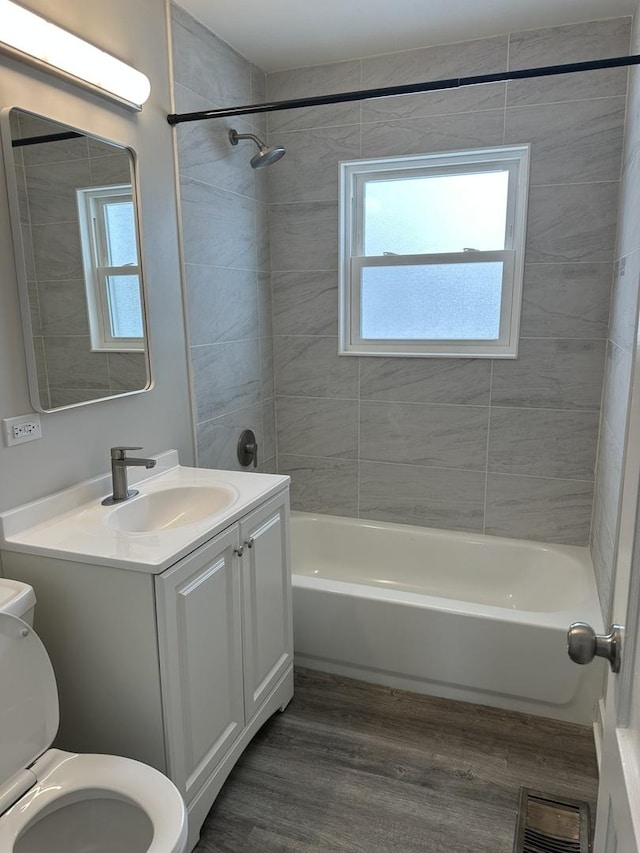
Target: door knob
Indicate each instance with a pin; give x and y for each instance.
(583, 644)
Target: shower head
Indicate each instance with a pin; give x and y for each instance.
(265, 156)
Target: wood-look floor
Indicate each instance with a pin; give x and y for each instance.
(365, 769)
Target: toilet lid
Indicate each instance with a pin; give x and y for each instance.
(29, 712)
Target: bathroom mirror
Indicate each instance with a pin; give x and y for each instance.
(74, 218)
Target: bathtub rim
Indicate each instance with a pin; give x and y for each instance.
(578, 552)
(587, 611)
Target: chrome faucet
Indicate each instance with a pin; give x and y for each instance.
(119, 464)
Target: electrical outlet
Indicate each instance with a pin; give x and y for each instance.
(21, 429)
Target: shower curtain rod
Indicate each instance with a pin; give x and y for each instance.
(408, 89)
(47, 137)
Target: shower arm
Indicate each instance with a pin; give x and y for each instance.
(235, 137)
(408, 89)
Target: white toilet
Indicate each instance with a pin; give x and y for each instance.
(59, 802)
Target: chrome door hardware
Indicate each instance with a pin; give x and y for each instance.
(239, 551)
(583, 644)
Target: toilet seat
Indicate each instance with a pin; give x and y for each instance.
(61, 775)
(46, 790)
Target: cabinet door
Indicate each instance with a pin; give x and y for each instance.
(200, 638)
(266, 592)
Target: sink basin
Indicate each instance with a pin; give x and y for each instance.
(177, 510)
(171, 508)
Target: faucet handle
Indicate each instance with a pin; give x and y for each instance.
(121, 452)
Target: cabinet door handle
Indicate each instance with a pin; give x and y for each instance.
(239, 551)
(249, 542)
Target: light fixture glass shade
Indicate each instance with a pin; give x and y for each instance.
(38, 39)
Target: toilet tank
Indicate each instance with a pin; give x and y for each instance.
(17, 598)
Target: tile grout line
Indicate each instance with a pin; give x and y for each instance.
(358, 459)
(506, 92)
(587, 338)
(358, 465)
(374, 401)
(334, 202)
(387, 463)
(486, 468)
(422, 117)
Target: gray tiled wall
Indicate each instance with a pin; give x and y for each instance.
(505, 447)
(620, 349)
(226, 249)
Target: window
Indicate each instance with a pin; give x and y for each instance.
(432, 252)
(111, 268)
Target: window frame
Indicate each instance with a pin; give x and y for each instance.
(353, 176)
(91, 201)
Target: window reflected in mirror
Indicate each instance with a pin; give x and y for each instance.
(111, 269)
(75, 227)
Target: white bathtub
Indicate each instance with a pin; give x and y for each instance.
(463, 616)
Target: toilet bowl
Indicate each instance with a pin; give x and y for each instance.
(61, 802)
(96, 803)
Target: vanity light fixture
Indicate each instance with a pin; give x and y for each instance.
(29, 37)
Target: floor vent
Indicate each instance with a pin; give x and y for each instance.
(549, 825)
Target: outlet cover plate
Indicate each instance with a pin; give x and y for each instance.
(21, 429)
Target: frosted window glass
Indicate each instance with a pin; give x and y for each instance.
(121, 234)
(125, 308)
(432, 302)
(441, 213)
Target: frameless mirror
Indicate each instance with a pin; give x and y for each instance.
(74, 218)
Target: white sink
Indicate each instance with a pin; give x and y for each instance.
(177, 510)
(170, 508)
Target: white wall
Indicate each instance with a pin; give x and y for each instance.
(75, 443)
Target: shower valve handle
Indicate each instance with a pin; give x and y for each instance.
(583, 644)
(247, 449)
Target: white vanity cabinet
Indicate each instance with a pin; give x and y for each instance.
(200, 644)
(267, 639)
(225, 640)
(177, 665)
